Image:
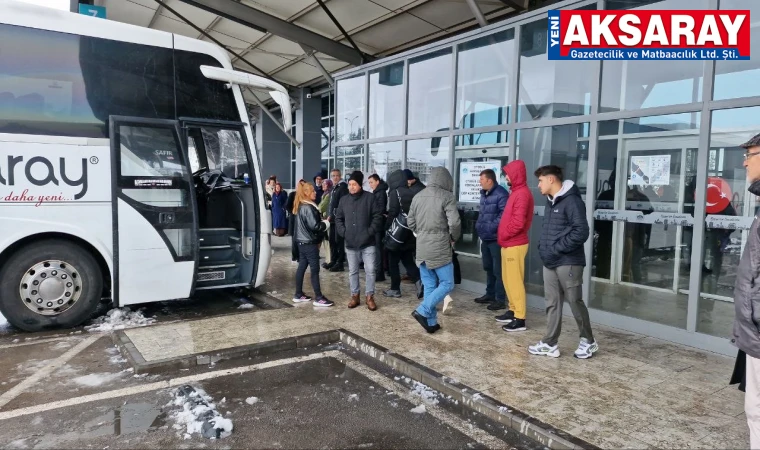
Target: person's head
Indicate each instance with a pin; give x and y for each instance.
(374, 180)
(355, 182)
(304, 193)
(318, 180)
(335, 176)
(327, 186)
(751, 158)
(487, 179)
(269, 182)
(549, 179)
(410, 179)
(277, 188)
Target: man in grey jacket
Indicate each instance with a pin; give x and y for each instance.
(747, 301)
(434, 219)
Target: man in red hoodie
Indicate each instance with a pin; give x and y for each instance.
(513, 239)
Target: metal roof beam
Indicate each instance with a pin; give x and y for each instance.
(477, 13)
(264, 22)
(365, 58)
(311, 55)
(519, 5)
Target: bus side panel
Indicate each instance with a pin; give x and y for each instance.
(56, 185)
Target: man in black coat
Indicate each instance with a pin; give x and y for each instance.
(399, 200)
(413, 182)
(380, 192)
(563, 235)
(357, 220)
(338, 253)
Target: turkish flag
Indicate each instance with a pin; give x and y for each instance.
(718, 195)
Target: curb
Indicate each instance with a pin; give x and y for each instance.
(524, 424)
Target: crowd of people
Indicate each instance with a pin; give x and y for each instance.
(403, 221)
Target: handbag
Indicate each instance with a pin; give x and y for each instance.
(399, 232)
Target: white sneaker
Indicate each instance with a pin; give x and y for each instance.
(544, 349)
(586, 349)
(446, 303)
(301, 299)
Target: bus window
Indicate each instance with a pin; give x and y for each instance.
(149, 152)
(225, 151)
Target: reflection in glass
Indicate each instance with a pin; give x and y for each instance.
(424, 154)
(350, 107)
(549, 88)
(386, 101)
(484, 79)
(644, 211)
(384, 158)
(729, 210)
(430, 92)
(565, 146)
(646, 84)
(470, 158)
(348, 159)
(735, 79)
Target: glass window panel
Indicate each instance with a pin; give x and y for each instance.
(197, 96)
(327, 104)
(730, 210)
(644, 220)
(350, 108)
(646, 84)
(550, 88)
(348, 159)
(565, 146)
(325, 134)
(384, 158)
(484, 78)
(386, 101)
(148, 151)
(424, 154)
(472, 154)
(734, 79)
(430, 92)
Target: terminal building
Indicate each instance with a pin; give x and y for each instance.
(383, 85)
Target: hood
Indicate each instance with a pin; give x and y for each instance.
(754, 188)
(383, 186)
(396, 179)
(516, 172)
(441, 178)
(568, 188)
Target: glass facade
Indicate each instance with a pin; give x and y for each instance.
(651, 145)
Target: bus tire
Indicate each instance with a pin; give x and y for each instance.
(69, 280)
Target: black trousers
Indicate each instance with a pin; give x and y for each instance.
(308, 255)
(380, 249)
(406, 258)
(337, 248)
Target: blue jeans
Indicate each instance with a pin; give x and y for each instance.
(355, 257)
(490, 252)
(438, 283)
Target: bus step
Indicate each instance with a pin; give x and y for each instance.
(214, 254)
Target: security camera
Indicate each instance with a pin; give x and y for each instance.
(308, 95)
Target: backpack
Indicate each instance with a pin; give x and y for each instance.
(398, 232)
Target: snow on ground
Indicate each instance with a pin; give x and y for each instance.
(252, 400)
(197, 408)
(419, 409)
(246, 306)
(119, 319)
(428, 395)
(96, 379)
(4, 323)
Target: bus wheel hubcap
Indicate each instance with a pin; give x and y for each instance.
(50, 287)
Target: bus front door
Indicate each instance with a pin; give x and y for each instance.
(155, 217)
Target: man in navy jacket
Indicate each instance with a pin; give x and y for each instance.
(493, 200)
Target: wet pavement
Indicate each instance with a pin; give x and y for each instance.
(317, 399)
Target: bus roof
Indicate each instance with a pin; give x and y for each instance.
(13, 12)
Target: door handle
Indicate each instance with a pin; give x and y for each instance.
(165, 217)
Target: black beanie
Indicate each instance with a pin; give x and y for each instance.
(357, 176)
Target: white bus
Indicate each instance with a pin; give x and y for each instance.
(123, 157)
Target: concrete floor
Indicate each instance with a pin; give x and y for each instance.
(637, 392)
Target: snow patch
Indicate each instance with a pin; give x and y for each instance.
(419, 409)
(96, 379)
(4, 323)
(199, 414)
(246, 306)
(428, 395)
(353, 398)
(119, 319)
(477, 396)
(252, 400)
(117, 359)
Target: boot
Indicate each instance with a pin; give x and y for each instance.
(354, 301)
(371, 302)
(420, 289)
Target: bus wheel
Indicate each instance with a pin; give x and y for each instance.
(50, 284)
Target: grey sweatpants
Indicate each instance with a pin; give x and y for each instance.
(565, 283)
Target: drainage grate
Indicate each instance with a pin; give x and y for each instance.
(210, 276)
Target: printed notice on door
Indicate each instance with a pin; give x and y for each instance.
(651, 170)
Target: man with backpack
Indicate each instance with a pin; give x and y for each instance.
(399, 200)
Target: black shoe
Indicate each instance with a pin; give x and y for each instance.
(515, 325)
(433, 329)
(506, 317)
(423, 321)
(337, 269)
(379, 279)
(484, 300)
(496, 306)
(328, 266)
